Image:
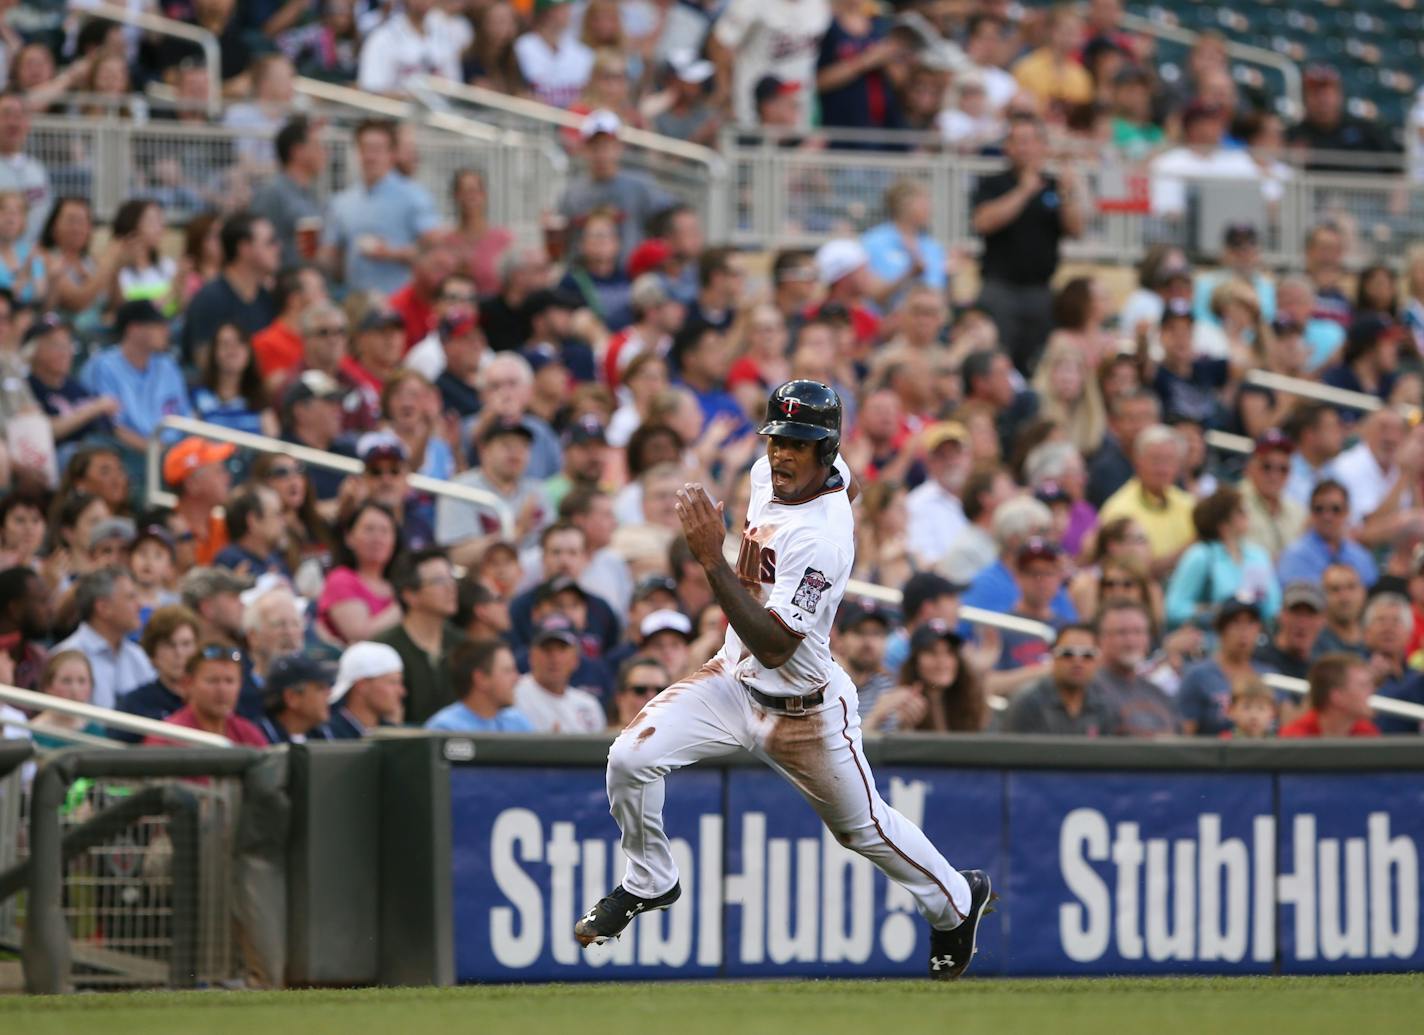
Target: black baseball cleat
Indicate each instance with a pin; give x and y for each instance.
(951, 952)
(615, 911)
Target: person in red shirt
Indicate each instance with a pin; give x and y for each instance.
(376, 351)
(278, 346)
(211, 686)
(415, 302)
(1340, 689)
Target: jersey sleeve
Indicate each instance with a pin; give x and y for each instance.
(735, 23)
(805, 573)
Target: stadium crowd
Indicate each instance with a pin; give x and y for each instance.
(1038, 449)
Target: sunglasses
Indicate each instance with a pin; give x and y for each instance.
(1327, 508)
(1276, 468)
(643, 688)
(383, 471)
(1118, 584)
(1075, 653)
(214, 652)
(286, 471)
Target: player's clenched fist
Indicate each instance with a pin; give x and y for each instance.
(701, 524)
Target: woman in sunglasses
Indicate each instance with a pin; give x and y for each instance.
(1222, 565)
(639, 680)
(940, 690)
(1123, 543)
(308, 534)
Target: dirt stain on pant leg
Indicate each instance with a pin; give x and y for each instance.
(796, 744)
(645, 735)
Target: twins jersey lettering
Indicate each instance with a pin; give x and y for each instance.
(796, 560)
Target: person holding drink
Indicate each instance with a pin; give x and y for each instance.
(288, 199)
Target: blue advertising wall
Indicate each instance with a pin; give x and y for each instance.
(1100, 873)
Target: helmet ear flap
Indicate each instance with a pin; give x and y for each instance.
(828, 449)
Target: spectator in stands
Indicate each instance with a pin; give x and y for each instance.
(1205, 692)
(1370, 361)
(686, 112)
(74, 414)
(1344, 608)
(984, 44)
(938, 687)
(1015, 521)
(455, 303)
(936, 516)
(232, 394)
(754, 39)
(212, 681)
(78, 283)
(1240, 260)
(213, 595)
(256, 533)
(1056, 474)
(1069, 391)
(1327, 128)
(902, 250)
(656, 316)
(1143, 710)
(1298, 629)
(1134, 132)
(357, 601)
(259, 118)
(485, 673)
(639, 681)
(279, 347)
(631, 197)
(1201, 156)
(287, 200)
(312, 416)
(479, 247)
(667, 637)
(1220, 565)
(197, 469)
(273, 626)
(369, 691)
(1053, 73)
(859, 67)
(506, 386)
(1023, 214)
(973, 550)
(552, 60)
(416, 301)
(861, 632)
(295, 699)
(238, 295)
(1152, 498)
(1380, 472)
(1318, 434)
(202, 257)
(1252, 711)
(1038, 573)
(465, 529)
(425, 587)
(385, 479)
(1067, 701)
(586, 458)
(700, 354)
(25, 619)
(140, 374)
(22, 529)
(564, 554)
(407, 44)
(1340, 689)
(107, 604)
(595, 280)
(169, 639)
(1325, 268)
(1111, 467)
(719, 288)
(544, 695)
(1388, 624)
(376, 227)
(463, 350)
(1274, 520)
(989, 377)
(376, 351)
(20, 171)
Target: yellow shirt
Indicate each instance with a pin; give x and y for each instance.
(1168, 523)
(1041, 75)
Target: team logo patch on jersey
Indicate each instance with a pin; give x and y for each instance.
(808, 593)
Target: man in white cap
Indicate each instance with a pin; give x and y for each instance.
(368, 692)
(843, 268)
(689, 115)
(605, 185)
(667, 636)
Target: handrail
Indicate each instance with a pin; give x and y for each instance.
(212, 56)
(1387, 705)
(403, 111)
(31, 701)
(307, 455)
(1228, 442)
(537, 111)
(60, 733)
(1244, 51)
(1315, 390)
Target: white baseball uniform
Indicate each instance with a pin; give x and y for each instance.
(796, 557)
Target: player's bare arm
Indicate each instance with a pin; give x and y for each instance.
(769, 641)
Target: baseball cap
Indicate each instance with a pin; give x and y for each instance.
(651, 584)
(364, 660)
(769, 86)
(648, 257)
(648, 290)
(379, 319)
(266, 583)
(1368, 329)
(667, 621)
(505, 426)
(924, 586)
(836, 260)
(1303, 594)
(1177, 309)
(158, 534)
(600, 121)
(550, 588)
(202, 583)
(932, 632)
(192, 453)
(1036, 548)
(112, 528)
(380, 445)
(695, 73)
(542, 355)
(312, 384)
(1231, 608)
(1272, 440)
(291, 670)
(545, 299)
(1175, 270)
(940, 432)
(43, 325)
(1238, 235)
(854, 612)
(585, 430)
(556, 627)
(1050, 492)
(136, 311)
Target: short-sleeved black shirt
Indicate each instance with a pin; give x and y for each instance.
(1026, 250)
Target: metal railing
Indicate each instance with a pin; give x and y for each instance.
(158, 496)
(1385, 705)
(108, 717)
(212, 56)
(1315, 390)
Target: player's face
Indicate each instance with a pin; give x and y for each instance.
(795, 471)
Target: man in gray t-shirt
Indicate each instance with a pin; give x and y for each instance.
(1065, 702)
(289, 196)
(632, 197)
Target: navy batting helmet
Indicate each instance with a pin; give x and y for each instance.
(806, 410)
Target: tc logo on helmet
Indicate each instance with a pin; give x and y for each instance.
(790, 406)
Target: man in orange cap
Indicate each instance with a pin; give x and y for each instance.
(196, 469)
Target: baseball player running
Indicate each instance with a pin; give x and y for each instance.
(775, 690)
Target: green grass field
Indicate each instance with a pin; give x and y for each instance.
(1377, 1005)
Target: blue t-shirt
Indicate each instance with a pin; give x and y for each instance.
(1194, 396)
(456, 718)
(232, 413)
(1204, 696)
(145, 396)
(1021, 650)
